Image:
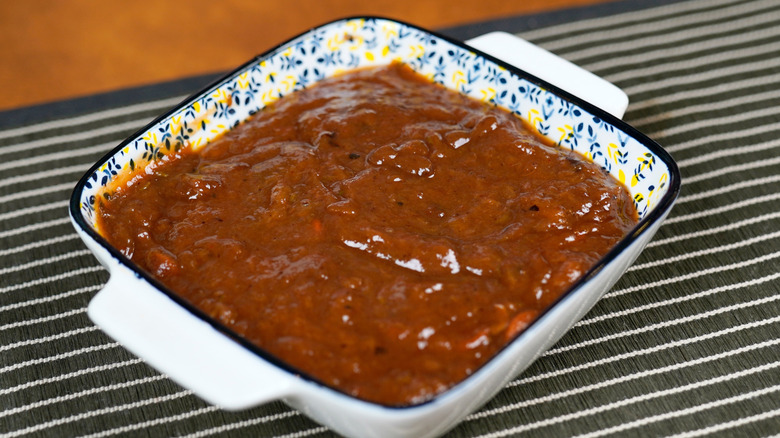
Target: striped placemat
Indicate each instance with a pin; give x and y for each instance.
(686, 344)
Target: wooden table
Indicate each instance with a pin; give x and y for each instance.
(58, 50)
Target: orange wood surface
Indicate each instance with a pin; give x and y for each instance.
(52, 50)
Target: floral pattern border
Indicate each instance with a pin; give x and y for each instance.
(354, 43)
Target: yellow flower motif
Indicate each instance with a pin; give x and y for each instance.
(268, 97)
(150, 137)
(534, 118)
(288, 83)
(650, 197)
(390, 29)
(243, 80)
(356, 25)
(356, 42)
(647, 160)
(621, 176)
(458, 78)
(220, 95)
(488, 94)
(416, 51)
(175, 125)
(611, 152)
(655, 192)
(566, 132)
(334, 42)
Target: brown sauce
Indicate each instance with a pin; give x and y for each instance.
(381, 234)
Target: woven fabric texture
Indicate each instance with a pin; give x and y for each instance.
(686, 344)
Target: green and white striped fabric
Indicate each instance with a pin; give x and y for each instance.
(686, 344)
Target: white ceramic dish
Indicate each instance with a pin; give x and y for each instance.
(195, 351)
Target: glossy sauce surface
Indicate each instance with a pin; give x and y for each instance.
(381, 234)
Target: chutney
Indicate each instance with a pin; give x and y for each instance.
(376, 232)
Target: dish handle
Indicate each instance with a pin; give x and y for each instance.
(553, 69)
(190, 351)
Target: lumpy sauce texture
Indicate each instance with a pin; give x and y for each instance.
(376, 232)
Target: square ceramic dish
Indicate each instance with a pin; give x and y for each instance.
(200, 354)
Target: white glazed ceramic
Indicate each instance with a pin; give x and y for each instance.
(195, 351)
(553, 69)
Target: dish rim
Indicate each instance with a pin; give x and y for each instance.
(663, 205)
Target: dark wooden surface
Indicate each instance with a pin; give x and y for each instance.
(57, 50)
